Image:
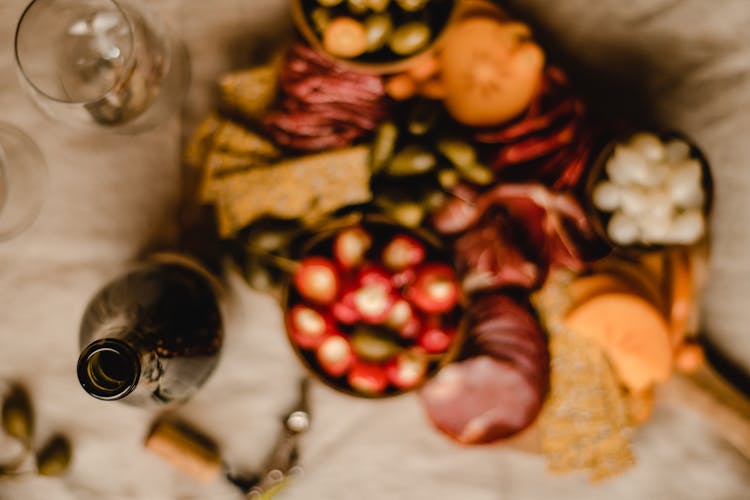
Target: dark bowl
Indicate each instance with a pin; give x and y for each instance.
(382, 61)
(600, 219)
(382, 229)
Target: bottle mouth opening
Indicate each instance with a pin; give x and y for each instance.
(109, 369)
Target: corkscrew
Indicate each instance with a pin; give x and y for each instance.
(283, 462)
(199, 457)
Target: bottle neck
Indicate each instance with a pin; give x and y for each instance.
(109, 369)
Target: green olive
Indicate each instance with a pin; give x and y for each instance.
(269, 240)
(320, 18)
(378, 5)
(373, 345)
(54, 459)
(477, 174)
(383, 146)
(448, 178)
(432, 200)
(460, 153)
(379, 28)
(329, 3)
(407, 214)
(357, 6)
(18, 416)
(261, 276)
(410, 38)
(412, 5)
(412, 160)
(423, 116)
(269, 235)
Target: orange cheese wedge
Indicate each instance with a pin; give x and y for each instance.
(586, 287)
(632, 333)
(639, 276)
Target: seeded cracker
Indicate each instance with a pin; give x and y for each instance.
(234, 148)
(250, 92)
(308, 186)
(232, 138)
(200, 143)
(584, 423)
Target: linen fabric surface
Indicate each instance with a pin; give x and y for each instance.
(686, 63)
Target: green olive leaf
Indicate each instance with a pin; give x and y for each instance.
(55, 457)
(18, 415)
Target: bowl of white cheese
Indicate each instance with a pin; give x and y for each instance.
(650, 190)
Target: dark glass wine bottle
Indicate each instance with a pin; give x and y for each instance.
(153, 335)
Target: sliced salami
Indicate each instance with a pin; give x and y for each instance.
(481, 399)
(532, 339)
(534, 367)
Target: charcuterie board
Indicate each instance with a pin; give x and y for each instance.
(576, 249)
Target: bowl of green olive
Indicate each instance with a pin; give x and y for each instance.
(378, 36)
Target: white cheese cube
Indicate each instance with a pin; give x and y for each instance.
(655, 230)
(687, 228)
(634, 201)
(606, 196)
(626, 165)
(684, 185)
(659, 204)
(676, 151)
(648, 145)
(622, 229)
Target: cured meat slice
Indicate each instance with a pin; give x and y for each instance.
(481, 400)
(493, 341)
(531, 366)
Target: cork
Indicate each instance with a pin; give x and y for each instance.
(186, 450)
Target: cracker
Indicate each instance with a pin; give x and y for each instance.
(233, 138)
(219, 164)
(233, 148)
(201, 141)
(250, 92)
(308, 186)
(584, 424)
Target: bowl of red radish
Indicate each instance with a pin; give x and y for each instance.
(372, 309)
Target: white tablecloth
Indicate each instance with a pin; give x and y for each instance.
(110, 196)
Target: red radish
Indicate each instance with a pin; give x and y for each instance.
(335, 355)
(407, 370)
(373, 303)
(435, 339)
(344, 310)
(412, 328)
(309, 327)
(402, 319)
(403, 252)
(404, 278)
(350, 247)
(435, 290)
(375, 295)
(372, 274)
(317, 280)
(368, 378)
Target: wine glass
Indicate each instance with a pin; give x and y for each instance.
(23, 181)
(101, 63)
